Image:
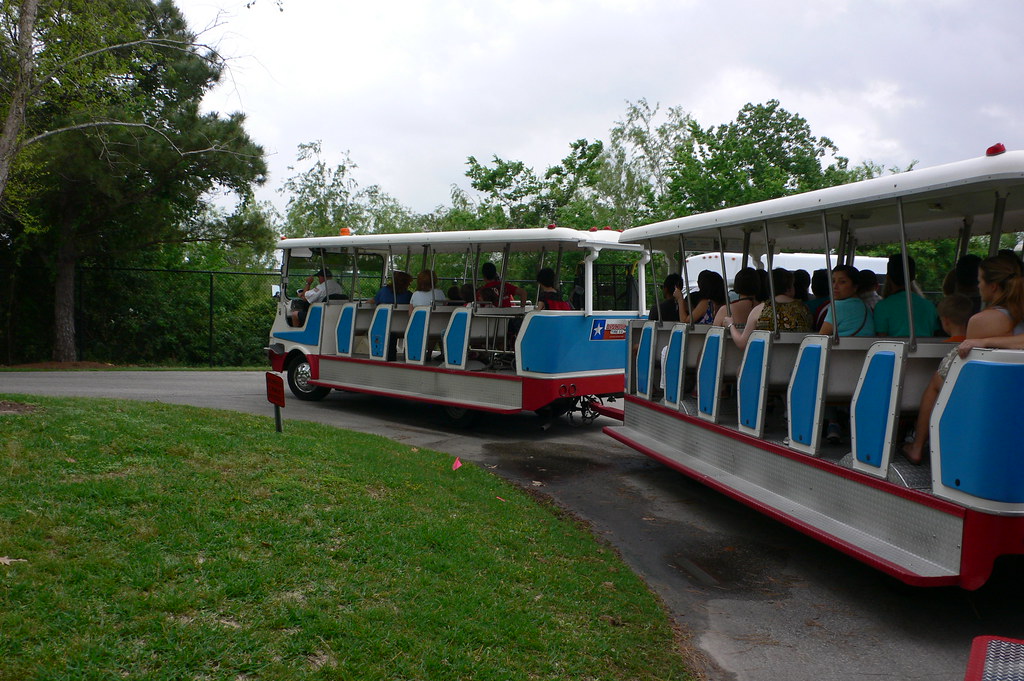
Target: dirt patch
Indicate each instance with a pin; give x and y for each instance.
(8, 407)
(62, 366)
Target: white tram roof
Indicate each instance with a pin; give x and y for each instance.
(936, 202)
(489, 240)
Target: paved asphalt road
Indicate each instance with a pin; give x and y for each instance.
(758, 601)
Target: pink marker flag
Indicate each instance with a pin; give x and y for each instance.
(457, 464)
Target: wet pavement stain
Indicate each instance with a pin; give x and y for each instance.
(543, 462)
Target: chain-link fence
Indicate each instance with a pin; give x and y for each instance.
(136, 316)
(174, 317)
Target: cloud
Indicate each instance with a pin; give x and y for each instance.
(413, 87)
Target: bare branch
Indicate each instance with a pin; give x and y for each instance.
(124, 124)
(185, 46)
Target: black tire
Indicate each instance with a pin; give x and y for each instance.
(298, 381)
(460, 417)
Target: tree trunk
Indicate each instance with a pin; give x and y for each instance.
(19, 95)
(64, 347)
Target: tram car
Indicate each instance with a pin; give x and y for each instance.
(481, 338)
(751, 423)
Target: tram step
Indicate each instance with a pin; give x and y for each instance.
(830, 529)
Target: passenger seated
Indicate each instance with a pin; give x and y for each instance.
(397, 291)
(319, 293)
(709, 297)
(801, 285)
(954, 313)
(964, 279)
(819, 295)
(426, 290)
(792, 314)
(549, 298)
(746, 285)
(509, 291)
(668, 309)
(867, 288)
(891, 318)
(453, 294)
(467, 294)
(1001, 287)
(850, 316)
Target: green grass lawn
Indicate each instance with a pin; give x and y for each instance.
(167, 542)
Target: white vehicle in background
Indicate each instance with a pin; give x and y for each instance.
(809, 262)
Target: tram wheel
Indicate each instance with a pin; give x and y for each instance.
(460, 417)
(298, 381)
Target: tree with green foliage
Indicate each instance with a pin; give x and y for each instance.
(765, 153)
(635, 178)
(113, 155)
(324, 199)
(509, 185)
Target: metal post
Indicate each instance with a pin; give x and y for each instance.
(907, 283)
(831, 291)
(725, 276)
(769, 254)
(997, 225)
(965, 238)
(686, 280)
(844, 226)
(211, 320)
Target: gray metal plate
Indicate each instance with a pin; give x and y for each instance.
(402, 380)
(919, 538)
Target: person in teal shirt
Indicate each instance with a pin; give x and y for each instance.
(853, 315)
(850, 316)
(891, 318)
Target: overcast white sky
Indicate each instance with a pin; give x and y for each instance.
(412, 87)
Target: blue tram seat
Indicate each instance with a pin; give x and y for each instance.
(416, 334)
(805, 397)
(345, 332)
(456, 338)
(709, 374)
(874, 411)
(380, 332)
(644, 367)
(674, 366)
(752, 383)
(977, 450)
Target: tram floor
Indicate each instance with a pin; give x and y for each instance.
(901, 470)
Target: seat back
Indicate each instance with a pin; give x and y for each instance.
(674, 366)
(644, 366)
(416, 333)
(874, 411)
(805, 396)
(456, 338)
(345, 332)
(380, 332)
(752, 383)
(977, 449)
(709, 375)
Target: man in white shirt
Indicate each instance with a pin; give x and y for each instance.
(327, 287)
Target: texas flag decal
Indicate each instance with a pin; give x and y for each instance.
(608, 329)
